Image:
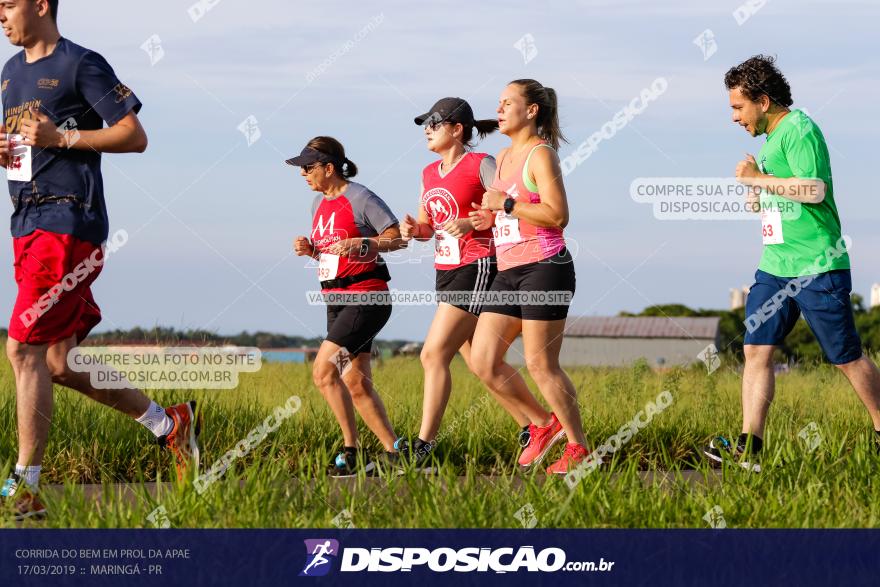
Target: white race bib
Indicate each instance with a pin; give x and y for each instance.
(447, 248)
(771, 227)
(19, 166)
(506, 229)
(328, 266)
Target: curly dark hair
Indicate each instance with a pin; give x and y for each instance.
(757, 76)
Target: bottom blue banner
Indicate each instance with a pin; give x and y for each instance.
(484, 557)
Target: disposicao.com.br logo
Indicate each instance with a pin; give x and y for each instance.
(318, 553)
(444, 559)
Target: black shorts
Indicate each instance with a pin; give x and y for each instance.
(354, 327)
(469, 282)
(529, 291)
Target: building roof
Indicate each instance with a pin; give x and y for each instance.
(642, 327)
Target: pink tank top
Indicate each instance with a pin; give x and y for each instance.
(518, 242)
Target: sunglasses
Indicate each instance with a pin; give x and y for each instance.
(308, 168)
(435, 124)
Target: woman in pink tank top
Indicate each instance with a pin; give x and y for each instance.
(535, 282)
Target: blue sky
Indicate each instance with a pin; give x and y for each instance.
(211, 219)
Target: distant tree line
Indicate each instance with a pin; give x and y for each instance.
(800, 346)
(159, 335)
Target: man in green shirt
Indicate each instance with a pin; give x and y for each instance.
(805, 266)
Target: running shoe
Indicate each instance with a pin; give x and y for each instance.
(525, 436)
(26, 504)
(573, 455)
(349, 463)
(542, 440)
(415, 455)
(389, 463)
(183, 440)
(720, 448)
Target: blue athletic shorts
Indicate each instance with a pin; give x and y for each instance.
(774, 305)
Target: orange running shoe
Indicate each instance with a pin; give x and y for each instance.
(542, 440)
(27, 503)
(574, 455)
(183, 440)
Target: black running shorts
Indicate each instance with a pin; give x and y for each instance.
(354, 327)
(467, 284)
(535, 291)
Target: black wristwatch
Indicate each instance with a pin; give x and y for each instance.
(365, 248)
(508, 205)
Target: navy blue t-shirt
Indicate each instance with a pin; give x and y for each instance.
(66, 191)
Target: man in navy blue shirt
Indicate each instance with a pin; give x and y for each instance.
(57, 96)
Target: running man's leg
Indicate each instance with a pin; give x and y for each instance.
(493, 336)
(359, 382)
(130, 401)
(826, 304)
(758, 387)
(865, 379)
(34, 401)
(542, 341)
(325, 374)
(769, 319)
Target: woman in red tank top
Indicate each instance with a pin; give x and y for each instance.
(531, 210)
(464, 257)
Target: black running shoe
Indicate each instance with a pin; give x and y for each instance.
(720, 449)
(349, 463)
(389, 463)
(416, 455)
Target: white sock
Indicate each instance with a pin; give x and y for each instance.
(156, 420)
(29, 475)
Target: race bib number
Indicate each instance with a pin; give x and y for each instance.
(506, 229)
(328, 266)
(447, 248)
(771, 227)
(19, 166)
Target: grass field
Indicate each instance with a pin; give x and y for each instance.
(281, 483)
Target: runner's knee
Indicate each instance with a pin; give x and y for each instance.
(485, 367)
(25, 356)
(542, 367)
(324, 375)
(759, 354)
(432, 356)
(358, 389)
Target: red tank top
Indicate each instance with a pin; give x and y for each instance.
(449, 197)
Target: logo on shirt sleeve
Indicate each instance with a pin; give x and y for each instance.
(122, 92)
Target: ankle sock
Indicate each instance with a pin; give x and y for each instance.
(30, 476)
(156, 420)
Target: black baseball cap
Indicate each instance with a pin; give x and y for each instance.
(309, 155)
(448, 110)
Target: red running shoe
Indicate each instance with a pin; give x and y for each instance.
(574, 455)
(183, 440)
(542, 440)
(25, 503)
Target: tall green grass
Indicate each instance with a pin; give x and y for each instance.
(282, 482)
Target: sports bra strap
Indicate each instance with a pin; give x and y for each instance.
(525, 174)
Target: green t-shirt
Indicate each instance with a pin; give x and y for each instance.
(796, 148)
